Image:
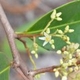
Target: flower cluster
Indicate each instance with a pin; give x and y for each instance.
(46, 32)
(70, 55)
(58, 33)
(62, 34)
(56, 15)
(35, 46)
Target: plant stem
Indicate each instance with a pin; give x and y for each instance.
(21, 35)
(48, 24)
(18, 62)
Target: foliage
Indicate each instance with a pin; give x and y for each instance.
(70, 16)
(4, 67)
(57, 25)
(57, 30)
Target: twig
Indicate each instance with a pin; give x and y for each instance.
(18, 62)
(21, 35)
(28, 51)
(43, 70)
(48, 69)
(24, 43)
(20, 72)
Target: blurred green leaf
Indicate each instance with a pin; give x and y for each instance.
(70, 16)
(4, 69)
(25, 26)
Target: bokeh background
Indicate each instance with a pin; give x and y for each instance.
(21, 14)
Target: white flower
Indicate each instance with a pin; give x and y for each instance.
(56, 16)
(61, 61)
(48, 30)
(47, 38)
(71, 30)
(60, 31)
(78, 53)
(78, 50)
(59, 52)
(35, 48)
(64, 77)
(67, 29)
(76, 46)
(35, 53)
(70, 69)
(73, 46)
(56, 73)
(53, 46)
(66, 52)
(66, 39)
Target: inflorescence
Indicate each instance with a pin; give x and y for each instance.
(70, 53)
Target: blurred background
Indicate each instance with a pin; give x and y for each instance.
(21, 14)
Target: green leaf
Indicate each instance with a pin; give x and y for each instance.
(4, 67)
(70, 16)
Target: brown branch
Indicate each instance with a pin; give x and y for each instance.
(19, 9)
(43, 70)
(18, 62)
(24, 43)
(27, 50)
(21, 73)
(48, 69)
(27, 35)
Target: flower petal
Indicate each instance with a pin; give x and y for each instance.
(59, 19)
(76, 46)
(64, 77)
(33, 52)
(59, 52)
(46, 34)
(58, 14)
(56, 73)
(67, 27)
(42, 38)
(60, 31)
(45, 43)
(48, 30)
(51, 41)
(71, 30)
(36, 55)
(53, 46)
(53, 14)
